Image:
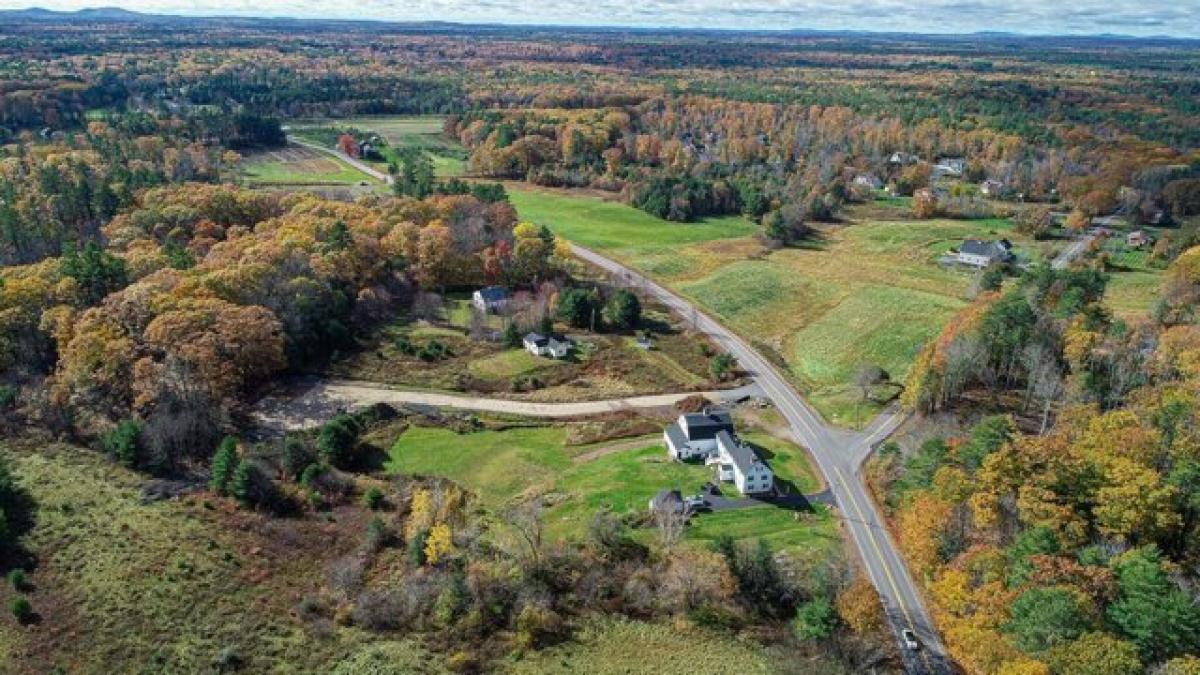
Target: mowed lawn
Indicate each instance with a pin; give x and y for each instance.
(298, 166)
(505, 466)
(871, 292)
(614, 227)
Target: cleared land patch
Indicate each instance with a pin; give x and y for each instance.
(298, 166)
(422, 132)
(514, 464)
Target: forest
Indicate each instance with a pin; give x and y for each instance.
(148, 296)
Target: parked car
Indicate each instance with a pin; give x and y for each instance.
(695, 503)
(910, 640)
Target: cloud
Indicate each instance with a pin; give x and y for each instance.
(1134, 17)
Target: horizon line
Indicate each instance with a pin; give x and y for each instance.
(648, 28)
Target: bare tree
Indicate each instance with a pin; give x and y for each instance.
(525, 521)
(669, 518)
(427, 306)
(867, 376)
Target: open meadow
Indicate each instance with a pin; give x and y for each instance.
(504, 466)
(869, 292)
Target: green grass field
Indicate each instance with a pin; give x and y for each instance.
(868, 292)
(503, 466)
(124, 585)
(1135, 283)
(612, 226)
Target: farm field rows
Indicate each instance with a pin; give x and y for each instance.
(298, 166)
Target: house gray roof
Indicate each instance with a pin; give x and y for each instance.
(704, 426)
(995, 250)
(493, 293)
(739, 453)
(678, 438)
(542, 340)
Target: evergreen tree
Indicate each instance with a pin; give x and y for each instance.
(224, 464)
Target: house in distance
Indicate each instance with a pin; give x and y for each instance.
(491, 299)
(552, 346)
(710, 436)
(981, 253)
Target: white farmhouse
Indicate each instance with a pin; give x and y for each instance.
(694, 436)
(949, 167)
(553, 346)
(710, 436)
(491, 299)
(739, 464)
(868, 180)
(980, 253)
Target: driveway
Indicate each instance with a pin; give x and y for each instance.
(310, 402)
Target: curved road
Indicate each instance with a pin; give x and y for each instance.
(839, 454)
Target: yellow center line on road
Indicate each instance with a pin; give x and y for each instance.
(878, 550)
(887, 570)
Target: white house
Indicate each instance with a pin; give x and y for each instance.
(490, 299)
(991, 188)
(903, 158)
(554, 346)
(710, 436)
(739, 464)
(694, 436)
(949, 167)
(868, 180)
(1138, 239)
(979, 253)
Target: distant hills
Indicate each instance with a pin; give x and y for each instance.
(120, 15)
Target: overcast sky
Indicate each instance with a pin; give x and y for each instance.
(1130, 17)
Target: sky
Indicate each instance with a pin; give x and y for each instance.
(1179, 18)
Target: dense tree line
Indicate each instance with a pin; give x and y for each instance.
(1070, 547)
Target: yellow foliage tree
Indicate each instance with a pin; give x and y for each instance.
(439, 544)
(420, 515)
(859, 606)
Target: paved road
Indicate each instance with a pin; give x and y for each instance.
(313, 401)
(356, 163)
(839, 454)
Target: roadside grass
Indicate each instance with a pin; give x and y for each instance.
(620, 647)
(503, 467)
(298, 166)
(165, 586)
